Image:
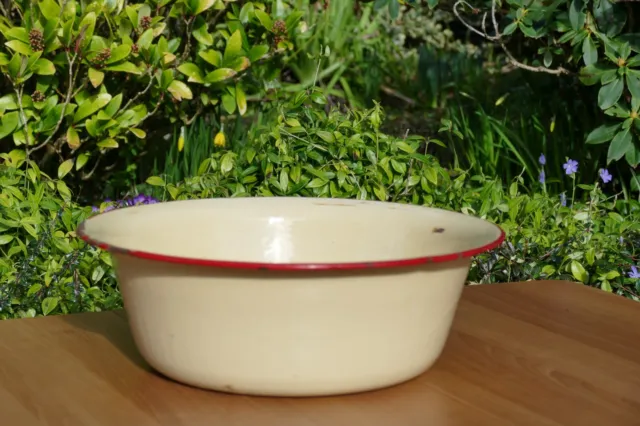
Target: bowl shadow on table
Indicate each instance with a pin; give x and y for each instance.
(115, 331)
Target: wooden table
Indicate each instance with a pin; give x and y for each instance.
(536, 353)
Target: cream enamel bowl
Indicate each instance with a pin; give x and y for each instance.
(290, 296)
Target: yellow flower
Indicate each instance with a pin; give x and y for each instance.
(181, 140)
(220, 139)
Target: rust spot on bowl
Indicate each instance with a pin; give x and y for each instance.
(437, 230)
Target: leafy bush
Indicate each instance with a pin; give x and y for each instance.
(578, 37)
(315, 154)
(44, 267)
(81, 78)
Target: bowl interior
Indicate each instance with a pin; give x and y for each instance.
(280, 230)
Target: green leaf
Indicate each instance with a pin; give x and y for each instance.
(576, 15)
(220, 74)
(578, 272)
(65, 168)
(127, 67)
(88, 23)
(241, 100)
(633, 155)
(139, 133)
(49, 304)
(201, 32)
(20, 47)
(602, 134)
(317, 183)
(326, 136)
(227, 163)
(211, 56)
(264, 19)
(81, 161)
(234, 47)
(95, 77)
(229, 103)
(192, 71)
(91, 106)
(50, 9)
(239, 64)
(156, 181)
(113, 106)
(5, 239)
(145, 39)
(589, 51)
(18, 33)
(633, 83)
(203, 5)
(258, 51)
(119, 53)
(609, 94)
(44, 67)
(179, 90)
(528, 31)
(8, 123)
(620, 144)
(108, 143)
(73, 139)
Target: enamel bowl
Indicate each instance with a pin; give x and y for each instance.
(290, 296)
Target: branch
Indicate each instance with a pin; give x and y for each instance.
(143, 92)
(498, 38)
(187, 46)
(395, 93)
(72, 82)
(87, 176)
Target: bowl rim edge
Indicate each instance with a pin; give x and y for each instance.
(324, 266)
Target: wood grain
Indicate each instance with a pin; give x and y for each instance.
(535, 353)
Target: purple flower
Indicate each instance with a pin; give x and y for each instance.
(563, 200)
(542, 177)
(139, 199)
(570, 167)
(542, 160)
(605, 175)
(95, 209)
(634, 272)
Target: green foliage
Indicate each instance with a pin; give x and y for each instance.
(314, 154)
(81, 78)
(583, 37)
(45, 268)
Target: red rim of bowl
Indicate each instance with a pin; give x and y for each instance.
(396, 263)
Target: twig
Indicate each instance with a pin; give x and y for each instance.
(187, 46)
(156, 108)
(392, 92)
(143, 92)
(498, 38)
(87, 176)
(72, 81)
(192, 119)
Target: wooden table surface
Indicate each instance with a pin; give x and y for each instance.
(536, 353)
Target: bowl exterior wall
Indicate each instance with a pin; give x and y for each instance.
(294, 333)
